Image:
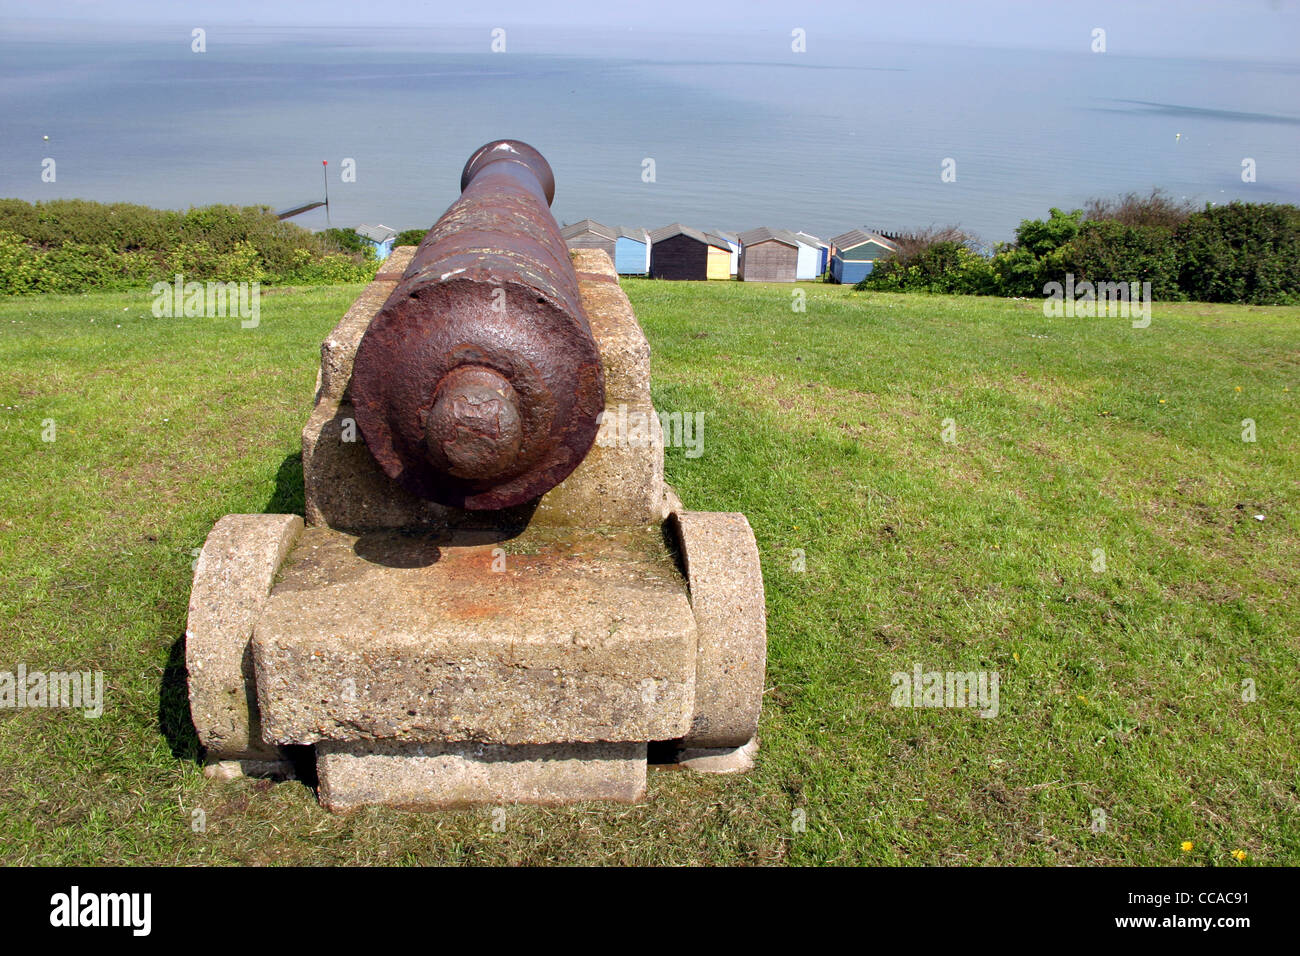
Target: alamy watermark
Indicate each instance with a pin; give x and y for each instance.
(210, 300)
(74, 690)
(922, 688)
(74, 909)
(622, 428)
(1089, 300)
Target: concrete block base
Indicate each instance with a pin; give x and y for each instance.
(566, 637)
(434, 776)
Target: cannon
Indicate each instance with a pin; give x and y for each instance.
(478, 385)
(493, 596)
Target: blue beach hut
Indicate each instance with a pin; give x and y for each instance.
(631, 251)
(854, 253)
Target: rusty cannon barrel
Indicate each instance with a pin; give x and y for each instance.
(478, 384)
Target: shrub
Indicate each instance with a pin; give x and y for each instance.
(345, 240)
(1017, 272)
(1241, 252)
(1107, 250)
(19, 264)
(1156, 210)
(69, 245)
(410, 237)
(934, 260)
(1042, 236)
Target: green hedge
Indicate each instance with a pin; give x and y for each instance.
(73, 245)
(1241, 252)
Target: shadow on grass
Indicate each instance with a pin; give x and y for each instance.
(288, 498)
(174, 721)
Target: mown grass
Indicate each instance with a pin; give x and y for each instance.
(1121, 690)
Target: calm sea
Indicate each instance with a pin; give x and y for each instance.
(742, 131)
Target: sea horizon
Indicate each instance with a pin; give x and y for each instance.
(643, 128)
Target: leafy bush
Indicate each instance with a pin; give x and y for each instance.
(333, 268)
(345, 240)
(1241, 252)
(947, 266)
(1110, 251)
(410, 237)
(1043, 236)
(1017, 272)
(934, 260)
(71, 245)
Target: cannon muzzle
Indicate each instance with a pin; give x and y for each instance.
(478, 384)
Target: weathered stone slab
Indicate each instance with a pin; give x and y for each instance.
(620, 482)
(416, 776)
(232, 579)
(726, 582)
(395, 265)
(575, 637)
(344, 487)
(617, 485)
(340, 346)
(623, 345)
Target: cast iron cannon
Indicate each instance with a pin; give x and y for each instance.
(478, 384)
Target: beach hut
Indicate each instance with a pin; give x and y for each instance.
(380, 237)
(768, 255)
(733, 243)
(590, 234)
(679, 252)
(854, 253)
(719, 263)
(814, 255)
(631, 251)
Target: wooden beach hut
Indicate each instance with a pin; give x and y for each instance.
(631, 251)
(380, 238)
(768, 255)
(814, 256)
(590, 234)
(733, 243)
(719, 264)
(679, 252)
(854, 253)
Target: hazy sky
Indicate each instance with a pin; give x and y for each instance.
(1228, 28)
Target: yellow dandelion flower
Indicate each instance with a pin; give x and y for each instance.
(1187, 846)
(1162, 401)
(1015, 656)
(1239, 855)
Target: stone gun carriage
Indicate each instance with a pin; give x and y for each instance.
(484, 604)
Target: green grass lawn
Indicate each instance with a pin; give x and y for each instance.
(1121, 690)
